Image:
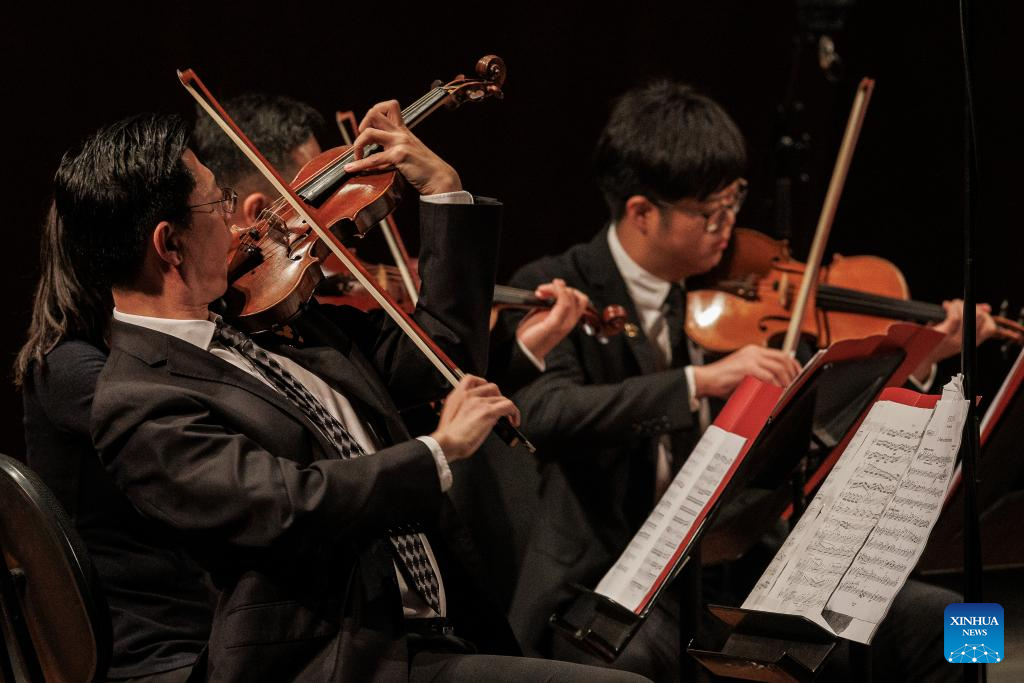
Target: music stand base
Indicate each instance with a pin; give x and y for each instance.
(597, 624)
(765, 646)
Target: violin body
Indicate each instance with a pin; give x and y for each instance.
(869, 274)
(746, 299)
(276, 266)
(749, 298)
(340, 288)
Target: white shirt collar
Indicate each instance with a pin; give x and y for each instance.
(647, 290)
(196, 332)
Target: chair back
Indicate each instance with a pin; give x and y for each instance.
(55, 617)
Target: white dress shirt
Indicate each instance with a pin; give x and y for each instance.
(648, 292)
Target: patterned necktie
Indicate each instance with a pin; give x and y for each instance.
(408, 545)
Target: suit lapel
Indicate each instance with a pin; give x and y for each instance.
(187, 360)
(610, 288)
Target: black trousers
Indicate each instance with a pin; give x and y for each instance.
(442, 666)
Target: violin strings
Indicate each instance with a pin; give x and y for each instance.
(873, 303)
(841, 299)
(409, 116)
(410, 113)
(867, 303)
(915, 308)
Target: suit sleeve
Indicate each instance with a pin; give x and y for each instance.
(169, 453)
(458, 257)
(565, 409)
(508, 366)
(65, 384)
(62, 388)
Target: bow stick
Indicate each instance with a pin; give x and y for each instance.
(437, 357)
(828, 211)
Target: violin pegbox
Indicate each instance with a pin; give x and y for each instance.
(491, 74)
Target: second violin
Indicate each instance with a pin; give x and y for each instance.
(750, 299)
(276, 266)
(340, 287)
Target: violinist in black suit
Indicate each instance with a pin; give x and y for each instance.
(617, 420)
(283, 466)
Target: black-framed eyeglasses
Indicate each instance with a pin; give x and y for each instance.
(226, 204)
(714, 217)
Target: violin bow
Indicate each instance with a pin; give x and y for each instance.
(828, 212)
(346, 121)
(437, 357)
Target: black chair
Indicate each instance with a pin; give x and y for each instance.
(53, 614)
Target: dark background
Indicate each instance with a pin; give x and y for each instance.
(69, 70)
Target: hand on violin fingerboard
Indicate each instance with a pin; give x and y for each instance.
(543, 329)
(720, 378)
(952, 327)
(393, 146)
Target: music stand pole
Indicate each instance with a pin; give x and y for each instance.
(968, 353)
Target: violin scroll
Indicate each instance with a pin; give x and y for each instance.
(604, 324)
(492, 68)
(491, 74)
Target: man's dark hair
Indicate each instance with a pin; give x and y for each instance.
(665, 141)
(111, 192)
(276, 125)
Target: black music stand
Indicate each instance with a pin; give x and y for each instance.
(821, 408)
(999, 498)
(815, 419)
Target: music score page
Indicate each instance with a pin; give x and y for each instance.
(667, 528)
(861, 536)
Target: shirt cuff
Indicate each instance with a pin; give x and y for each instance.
(926, 385)
(444, 473)
(691, 388)
(457, 197)
(537, 363)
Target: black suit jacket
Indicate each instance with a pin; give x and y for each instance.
(294, 536)
(597, 413)
(160, 602)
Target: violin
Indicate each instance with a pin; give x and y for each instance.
(601, 325)
(748, 298)
(323, 205)
(341, 288)
(275, 267)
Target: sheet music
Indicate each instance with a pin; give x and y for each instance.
(631, 578)
(814, 557)
(894, 469)
(881, 567)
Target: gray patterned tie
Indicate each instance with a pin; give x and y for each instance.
(407, 543)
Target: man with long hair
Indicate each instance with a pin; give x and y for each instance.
(283, 464)
(161, 601)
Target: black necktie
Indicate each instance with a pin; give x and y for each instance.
(408, 545)
(674, 310)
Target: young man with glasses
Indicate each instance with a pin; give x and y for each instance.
(619, 419)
